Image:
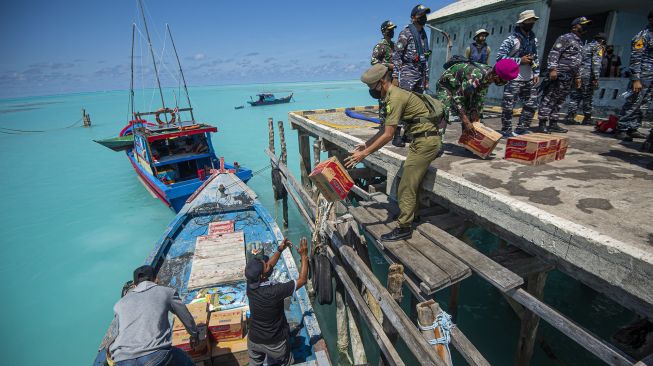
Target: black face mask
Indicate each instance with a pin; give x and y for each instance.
(582, 30)
(527, 27)
(374, 93)
(421, 20)
(390, 33)
(610, 51)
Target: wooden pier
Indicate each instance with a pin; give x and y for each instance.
(562, 215)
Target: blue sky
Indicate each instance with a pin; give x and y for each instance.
(53, 47)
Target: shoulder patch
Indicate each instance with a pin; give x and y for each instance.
(639, 44)
(400, 45)
(558, 45)
(600, 51)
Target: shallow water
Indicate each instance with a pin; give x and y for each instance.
(76, 222)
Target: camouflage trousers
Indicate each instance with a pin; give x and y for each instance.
(553, 97)
(382, 111)
(412, 77)
(514, 91)
(581, 97)
(636, 104)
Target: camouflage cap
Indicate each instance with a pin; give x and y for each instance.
(374, 74)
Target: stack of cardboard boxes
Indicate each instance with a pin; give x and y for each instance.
(222, 336)
(536, 148)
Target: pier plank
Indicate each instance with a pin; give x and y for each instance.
(218, 260)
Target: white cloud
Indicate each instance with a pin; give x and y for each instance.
(199, 56)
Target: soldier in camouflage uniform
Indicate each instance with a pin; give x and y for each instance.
(410, 59)
(590, 69)
(521, 47)
(382, 53)
(564, 71)
(463, 86)
(641, 76)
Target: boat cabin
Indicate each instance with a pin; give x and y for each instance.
(175, 153)
(266, 97)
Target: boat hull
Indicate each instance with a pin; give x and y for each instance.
(173, 257)
(175, 195)
(259, 103)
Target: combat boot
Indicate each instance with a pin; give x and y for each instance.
(553, 127)
(397, 139)
(636, 134)
(587, 120)
(398, 233)
(570, 120)
(647, 146)
(542, 127)
(623, 135)
(522, 130)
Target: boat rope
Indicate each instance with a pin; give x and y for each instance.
(444, 323)
(18, 131)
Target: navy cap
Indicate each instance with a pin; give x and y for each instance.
(143, 273)
(419, 10)
(580, 20)
(253, 272)
(387, 25)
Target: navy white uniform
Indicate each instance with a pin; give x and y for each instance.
(410, 66)
(590, 69)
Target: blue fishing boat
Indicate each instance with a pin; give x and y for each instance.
(224, 213)
(268, 99)
(173, 156)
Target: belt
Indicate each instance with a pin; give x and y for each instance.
(427, 134)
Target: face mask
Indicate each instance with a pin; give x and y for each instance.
(610, 51)
(582, 30)
(527, 27)
(390, 33)
(421, 20)
(376, 94)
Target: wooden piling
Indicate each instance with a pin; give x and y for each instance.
(357, 348)
(530, 321)
(427, 311)
(284, 160)
(304, 158)
(342, 327)
(86, 118)
(394, 285)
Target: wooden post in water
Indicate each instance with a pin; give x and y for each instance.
(530, 321)
(86, 118)
(342, 343)
(357, 348)
(304, 158)
(284, 161)
(394, 286)
(426, 314)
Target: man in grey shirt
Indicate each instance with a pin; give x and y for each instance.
(144, 332)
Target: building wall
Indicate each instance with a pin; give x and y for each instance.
(627, 25)
(499, 22)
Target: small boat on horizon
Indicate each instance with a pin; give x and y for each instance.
(224, 216)
(268, 99)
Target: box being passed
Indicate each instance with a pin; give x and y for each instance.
(226, 325)
(332, 179)
(482, 141)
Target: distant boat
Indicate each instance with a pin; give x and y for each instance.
(268, 99)
(239, 107)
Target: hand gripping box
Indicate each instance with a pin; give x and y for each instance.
(181, 340)
(481, 141)
(332, 180)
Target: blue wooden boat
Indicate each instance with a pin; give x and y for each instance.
(268, 99)
(225, 198)
(173, 160)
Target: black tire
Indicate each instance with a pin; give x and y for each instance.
(322, 276)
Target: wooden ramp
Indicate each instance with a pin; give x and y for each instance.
(433, 267)
(218, 259)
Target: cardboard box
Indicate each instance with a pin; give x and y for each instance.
(221, 227)
(229, 347)
(181, 340)
(332, 180)
(200, 313)
(527, 150)
(226, 325)
(482, 141)
(562, 148)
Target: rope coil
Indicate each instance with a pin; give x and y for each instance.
(443, 321)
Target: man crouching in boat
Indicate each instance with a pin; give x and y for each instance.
(143, 327)
(269, 332)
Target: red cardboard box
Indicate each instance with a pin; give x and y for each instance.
(200, 313)
(562, 148)
(181, 340)
(527, 150)
(332, 180)
(226, 325)
(482, 142)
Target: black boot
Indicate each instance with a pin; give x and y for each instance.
(623, 135)
(398, 233)
(570, 119)
(587, 120)
(636, 134)
(553, 127)
(542, 127)
(647, 146)
(397, 139)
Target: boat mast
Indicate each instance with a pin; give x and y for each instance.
(131, 84)
(181, 72)
(156, 72)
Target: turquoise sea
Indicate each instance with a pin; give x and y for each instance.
(75, 222)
